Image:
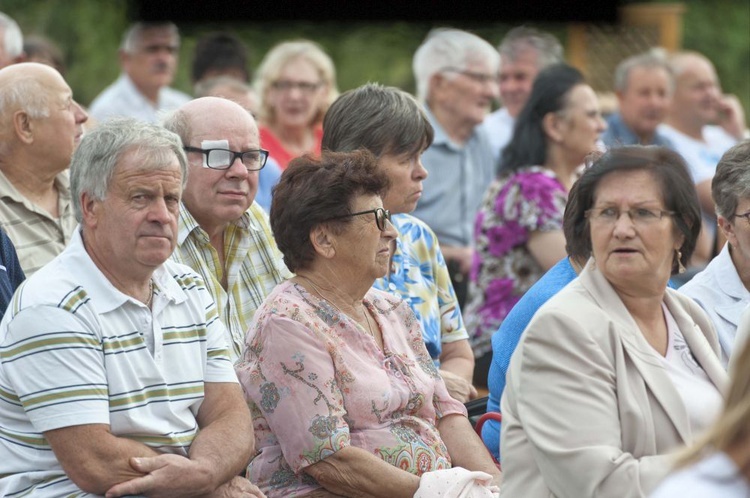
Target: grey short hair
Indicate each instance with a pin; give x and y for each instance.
(98, 155)
(178, 123)
(383, 120)
(652, 59)
(12, 36)
(731, 182)
(444, 48)
(134, 34)
(521, 38)
(28, 95)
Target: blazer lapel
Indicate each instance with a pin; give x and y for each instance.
(643, 356)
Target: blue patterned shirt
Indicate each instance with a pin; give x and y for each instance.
(419, 276)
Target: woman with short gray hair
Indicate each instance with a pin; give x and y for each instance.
(722, 288)
(392, 126)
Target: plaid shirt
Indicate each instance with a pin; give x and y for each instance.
(253, 262)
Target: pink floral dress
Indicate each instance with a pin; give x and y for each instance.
(317, 382)
(528, 200)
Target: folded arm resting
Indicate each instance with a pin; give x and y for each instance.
(355, 472)
(94, 458)
(218, 453)
(569, 404)
(457, 369)
(465, 447)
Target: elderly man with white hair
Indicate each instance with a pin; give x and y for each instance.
(456, 74)
(11, 41)
(148, 57)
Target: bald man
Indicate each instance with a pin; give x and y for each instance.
(224, 234)
(701, 123)
(40, 127)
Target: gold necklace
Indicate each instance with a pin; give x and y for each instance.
(320, 293)
(150, 293)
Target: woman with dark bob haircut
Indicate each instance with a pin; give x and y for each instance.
(615, 371)
(346, 400)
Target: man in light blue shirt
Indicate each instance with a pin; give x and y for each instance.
(456, 75)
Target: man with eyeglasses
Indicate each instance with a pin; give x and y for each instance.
(456, 74)
(223, 233)
(148, 57)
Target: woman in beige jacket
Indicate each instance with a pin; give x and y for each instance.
(617, 370)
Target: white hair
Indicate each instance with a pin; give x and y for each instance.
(12, 37)
(134, 34)
(449, 48)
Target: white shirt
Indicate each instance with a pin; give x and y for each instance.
(701, 157)
(716, 476)
(720, 292)
(73, 351)
(499, 126)
(702, 399)
(122, 99)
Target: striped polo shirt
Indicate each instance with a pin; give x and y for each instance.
(74, 350)
(36, 235)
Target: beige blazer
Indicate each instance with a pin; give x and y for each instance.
(588, 410)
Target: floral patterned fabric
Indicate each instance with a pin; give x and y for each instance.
(419, 276)
(528, 200)
(317, 382)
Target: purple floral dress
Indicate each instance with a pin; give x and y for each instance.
(317, 382)
(528, 200)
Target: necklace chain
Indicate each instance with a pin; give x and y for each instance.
(150, 293)
(320, 293)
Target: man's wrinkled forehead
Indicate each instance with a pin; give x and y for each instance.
(156, 39)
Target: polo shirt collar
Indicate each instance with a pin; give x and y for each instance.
(104, 296)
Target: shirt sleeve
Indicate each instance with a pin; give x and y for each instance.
(55, 365)
(444, 403)
(452, 327)
(290, 376)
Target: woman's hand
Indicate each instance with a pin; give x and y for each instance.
(458, 387)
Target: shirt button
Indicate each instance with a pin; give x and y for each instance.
(392, 286)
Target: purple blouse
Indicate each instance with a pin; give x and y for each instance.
(528, 200)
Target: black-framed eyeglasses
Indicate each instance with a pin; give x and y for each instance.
(482, 78)
(253, 159)
(381, 216)
(743, 215)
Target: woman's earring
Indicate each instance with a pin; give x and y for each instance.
(680, 266)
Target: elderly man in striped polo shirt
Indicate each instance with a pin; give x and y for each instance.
(224, 234)
(114, 371)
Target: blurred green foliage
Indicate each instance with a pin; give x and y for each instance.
(89, 32)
